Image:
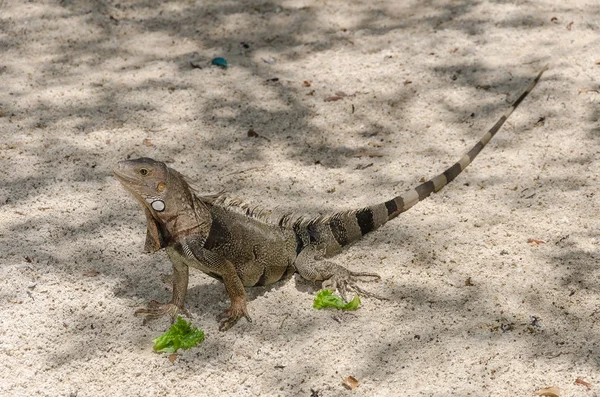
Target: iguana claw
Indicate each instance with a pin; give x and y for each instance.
(156, 310)
(229, 317)
(348, 282)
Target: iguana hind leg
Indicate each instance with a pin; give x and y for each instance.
(311, 266)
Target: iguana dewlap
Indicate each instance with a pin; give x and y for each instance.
(244, 250)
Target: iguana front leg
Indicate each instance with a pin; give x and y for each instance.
(237, 296)
(214, 264)
(194, 255)
(311, 266)
(180, 285)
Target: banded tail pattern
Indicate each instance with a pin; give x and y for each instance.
(343, 228)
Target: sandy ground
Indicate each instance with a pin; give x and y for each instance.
(473, 308)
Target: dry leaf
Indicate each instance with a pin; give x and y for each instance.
(91, 273)
(570, 25)
(551, 391)
(541, 121)
(333, 98)
(147, 142)
(173, 357)
(306, 83)
(534, 242)
(254, 134)
(350, 383)
(581, 382)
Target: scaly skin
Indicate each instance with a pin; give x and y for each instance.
(244, 249)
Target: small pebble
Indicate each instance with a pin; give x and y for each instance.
(221, 62)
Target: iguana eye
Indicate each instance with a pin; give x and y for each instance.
(143, 171)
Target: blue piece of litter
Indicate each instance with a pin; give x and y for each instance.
(219, 62)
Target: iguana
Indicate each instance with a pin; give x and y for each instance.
(243, 249)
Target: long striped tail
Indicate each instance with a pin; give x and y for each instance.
(343, 228)
(402, 203)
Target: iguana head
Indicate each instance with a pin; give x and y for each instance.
(166, 198)
(147, 180)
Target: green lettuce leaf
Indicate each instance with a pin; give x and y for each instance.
(181, 335)
(325, 298)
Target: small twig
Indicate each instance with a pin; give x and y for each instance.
(246, 170)
(543, 161)
(282, 321)
(367, 154)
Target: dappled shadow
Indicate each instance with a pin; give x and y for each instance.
(92, 99)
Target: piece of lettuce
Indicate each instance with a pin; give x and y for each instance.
(325, 298)
(181, 335)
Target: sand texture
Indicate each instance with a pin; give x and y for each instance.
(492, 284)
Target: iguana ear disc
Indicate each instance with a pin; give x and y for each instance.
(158, 205)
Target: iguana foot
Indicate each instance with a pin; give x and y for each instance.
(229, 317)
(156, 310)
(347, 282)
